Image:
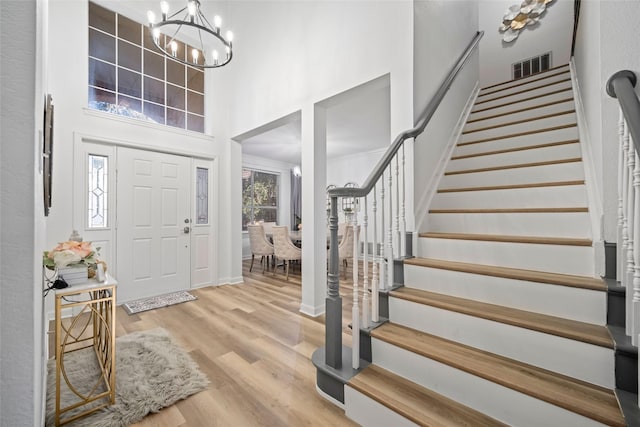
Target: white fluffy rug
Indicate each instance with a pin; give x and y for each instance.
(152, 372)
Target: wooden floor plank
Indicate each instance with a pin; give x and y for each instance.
(586, 399)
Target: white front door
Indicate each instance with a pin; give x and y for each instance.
(153, 223)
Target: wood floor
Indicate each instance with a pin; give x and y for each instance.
(255, 347)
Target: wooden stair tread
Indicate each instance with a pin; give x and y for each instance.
(566, 328)
(515, 166)
(540, 240)
(517, 122)
(583, 282)
(515, 149)
(485, 92)
(580, 397)
(517, 134)
(420, 405)
(523, 91)
(510, 210)
(520, 80)
(512, 186)
(531, 98)
(534, 107)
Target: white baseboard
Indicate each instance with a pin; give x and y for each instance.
(312, 311)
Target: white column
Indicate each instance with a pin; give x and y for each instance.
(314, 230)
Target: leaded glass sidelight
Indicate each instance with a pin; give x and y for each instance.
(97, 205)
(202, 196)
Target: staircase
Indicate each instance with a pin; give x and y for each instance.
(502, 318)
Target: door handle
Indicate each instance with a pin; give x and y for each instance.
(186, 230)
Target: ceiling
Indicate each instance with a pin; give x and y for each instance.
(359, 123)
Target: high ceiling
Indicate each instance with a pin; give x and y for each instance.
(358, 124)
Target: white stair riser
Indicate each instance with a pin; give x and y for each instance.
(544, 154)
(567, 224)
(576, 359)
(368, 412)
(583, 305)
(496, 100)
(531, 125)
(484, 111)
(525, 80)
(561, 259)
(548, 173)
(533, 83)
(523, 141)
(523, 115)
(492, 399)
(534, 197)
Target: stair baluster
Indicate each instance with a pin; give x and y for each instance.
(389, 255)
(636, 252)
(403, 241)
(366, 313)
(399, 238)
(375, 316)
(624, 279)
(383, 246)
(620, 239)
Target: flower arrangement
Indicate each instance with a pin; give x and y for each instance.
(70, 253)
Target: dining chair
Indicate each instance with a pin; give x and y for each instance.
(260, 245)
(284, 248)
(268, 226)
(345, 248)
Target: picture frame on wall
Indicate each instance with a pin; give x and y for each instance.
(47, 153)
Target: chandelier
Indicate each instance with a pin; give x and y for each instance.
(171, 35)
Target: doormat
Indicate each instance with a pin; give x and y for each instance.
(145, 304)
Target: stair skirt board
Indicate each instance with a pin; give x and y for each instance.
(553, 353)
(515, 155)
(552, 172)
(494, 400)
(370, 413)
(583, 305)
(481, 112)
(531, 124)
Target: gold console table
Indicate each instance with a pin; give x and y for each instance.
(91, 325)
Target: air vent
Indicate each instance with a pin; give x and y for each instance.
(531, 66)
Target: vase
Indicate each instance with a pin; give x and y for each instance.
(74, 274)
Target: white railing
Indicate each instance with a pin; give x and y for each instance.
(620, 86)
(386, 184)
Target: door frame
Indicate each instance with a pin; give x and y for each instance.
(84, 144)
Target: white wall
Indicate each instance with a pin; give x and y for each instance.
(284, 196)
(68, 47)
(434, 56)
(607, 42)
(551, 34)
(22, 228)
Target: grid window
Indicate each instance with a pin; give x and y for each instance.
(127, 76)
(259, 197)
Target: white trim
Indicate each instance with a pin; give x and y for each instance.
(151, 125)
(329, 398)
(312, 311)
(594, 197)
(422, 207)
(178, 151)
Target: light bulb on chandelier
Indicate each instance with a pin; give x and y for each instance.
(193, 31)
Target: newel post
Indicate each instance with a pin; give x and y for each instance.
(333, 316)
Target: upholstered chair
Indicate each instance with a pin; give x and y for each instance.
(259, 245)
(284, 249)
(345, 247)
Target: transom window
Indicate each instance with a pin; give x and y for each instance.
(259, 197)
(128, 77)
